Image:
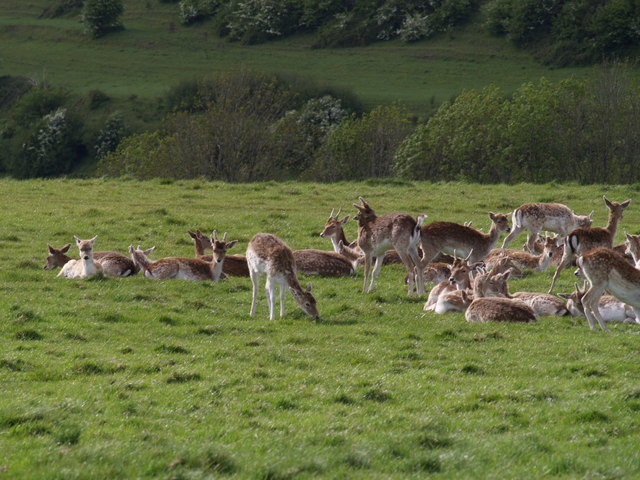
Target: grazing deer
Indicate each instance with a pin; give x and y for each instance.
(234, 265)
(581, 240)
(85, 266)
(453, 238)
(376, 235)
(537, 217)
(524, 260)
(485, 308)
(195, 269)
(611, 309)
(606, 269)
(270, 256)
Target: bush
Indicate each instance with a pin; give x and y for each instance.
(110, 136)
(102, 16)
(191, 11)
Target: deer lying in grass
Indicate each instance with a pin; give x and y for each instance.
(536, 217)
(85, 266)
(452, 238)
(582, 240)
(113, 264)
(524, 260)
(270, 256)
(376, 235)
(195, 269)
(610, 308)
(460, 279)
(485, 308)
(606, 269)
(540, 245)
(334, 230)
(234, 265)
(542, 304)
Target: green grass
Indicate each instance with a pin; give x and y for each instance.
(155, 52)
(134, 378)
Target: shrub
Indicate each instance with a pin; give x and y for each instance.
(110, 136)
(191, 11)
(101, 16)
(253, 21)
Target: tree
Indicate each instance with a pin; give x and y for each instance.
(102, 16)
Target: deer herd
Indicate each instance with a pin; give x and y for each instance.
(470, 274)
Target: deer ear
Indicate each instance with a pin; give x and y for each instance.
(231, 244)
(66, 248)
(193, 235)
(93, 239)
(492, 215)
(309, 287)
(77, 240)
(345, 220)
(606, 201)
(625, 204)
(51, 249)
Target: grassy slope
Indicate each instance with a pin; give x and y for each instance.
(131, 378)
(155, 52)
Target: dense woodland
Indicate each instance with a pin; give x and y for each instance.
(249, 126)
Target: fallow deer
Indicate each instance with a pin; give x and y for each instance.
(611, 309)
(632, 247)
(606, 269)
(113, 264)
(334, 230)
(376, 235)
(85, 266)
(234, 265)
(539, 245)
(270, 256)
(460, 279)
(582, 240)
(195, 269)
(453, 238)
(537, 217)
(524, 260)
(484, 308)
(320, 262)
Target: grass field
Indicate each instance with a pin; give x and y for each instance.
(155, 52)
(134, 378)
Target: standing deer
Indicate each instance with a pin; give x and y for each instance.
(453, 238)
(195, 269)
(611, 309)
(234, 265)
(606, 269)
(376, 235)
(270, 256)
(632, 247)
(582, 240)
(537, 217)
(85, 266)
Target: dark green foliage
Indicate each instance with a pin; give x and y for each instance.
(12, 88)
(60, 8)
(97, 98)
(102, 16)
(566, 32)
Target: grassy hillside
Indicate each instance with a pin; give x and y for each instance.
(155, 51)
(134, 378)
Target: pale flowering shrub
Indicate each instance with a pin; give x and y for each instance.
(191, 11)
(254, 20)
(110, 136)
(415, 27)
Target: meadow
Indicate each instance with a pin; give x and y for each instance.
(156, 52)
(134, 378)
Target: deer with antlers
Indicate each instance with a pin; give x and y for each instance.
(270, 256)
(582, 240)
(196, 269)
(376, 235)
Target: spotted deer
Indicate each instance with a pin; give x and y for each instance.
(113, 264)
(606, 269)
(452, 238)
(195, 269)
(486, 308)
(610, 308)
(582, 240)
(270, 256)
(85, 266)
(524, 260)
(536, 217)
(460, 279)
(234, 265)
(632, 247)
(376, 235)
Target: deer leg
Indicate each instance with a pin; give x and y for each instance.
(590, 303)
(564, 263)
(515, 231)
(531, 242)
(282, 292)
(271, 297)
(408, 264)
(376, 270)
(367, 269)
(255, 281)
(417, 270)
